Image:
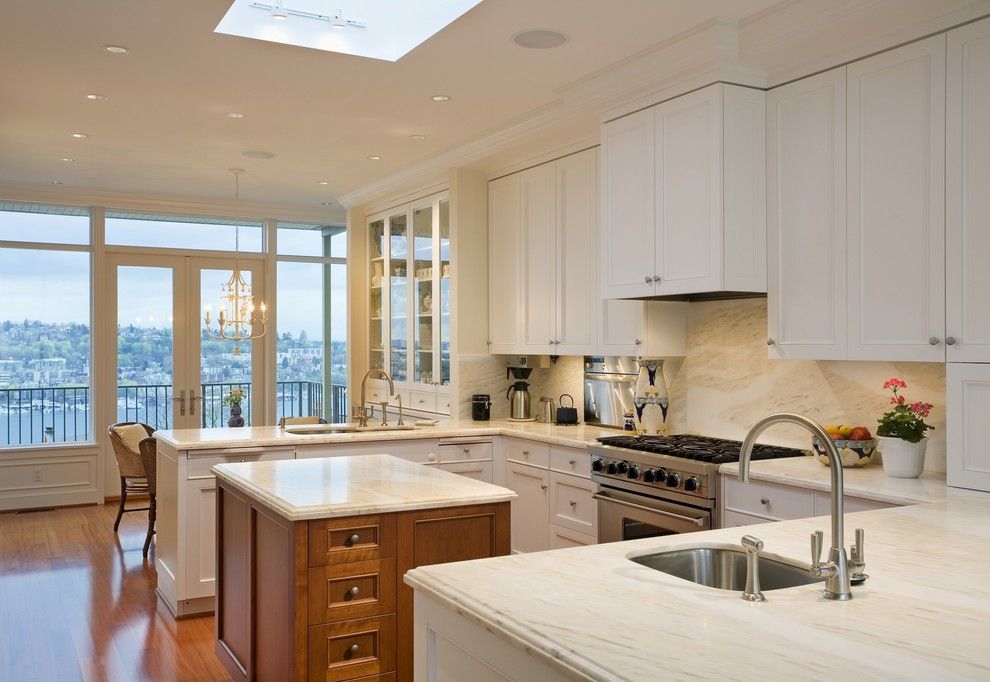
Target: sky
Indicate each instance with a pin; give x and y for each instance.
(52, 286)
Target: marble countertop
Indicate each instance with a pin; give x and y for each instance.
(303, 489)
(592, 614)
(578, 435)
(869, 482)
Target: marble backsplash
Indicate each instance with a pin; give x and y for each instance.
(726, 382)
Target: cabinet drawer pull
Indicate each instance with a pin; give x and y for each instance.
(353, 650)
(950, 340)
(933, 341)
(353, 540)
(639, 342)
(467, 451)
(573, 503)
(764, 501)
(572, 462)
(543, 486)
(353, 592)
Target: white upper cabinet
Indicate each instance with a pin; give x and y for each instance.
(967, 427)
(627, 243)
(539, 210)
(967, 209)
(505, 273)
(806, 218)
(895, 190)
(683, 191)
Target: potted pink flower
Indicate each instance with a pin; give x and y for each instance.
(901, 433)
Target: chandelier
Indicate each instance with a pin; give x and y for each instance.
(237, 317)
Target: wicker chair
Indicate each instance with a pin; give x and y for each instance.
(137, 474)
(297, 421)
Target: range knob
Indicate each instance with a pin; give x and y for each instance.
(649, 475)
(673, 480)
(597, 464)
(623, 467)
(612, 468)
(633, 472)
(661, 475)
(692, 485)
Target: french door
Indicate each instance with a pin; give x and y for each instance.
(169, 370)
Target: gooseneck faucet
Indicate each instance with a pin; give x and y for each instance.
(836, 569)
(361, 414)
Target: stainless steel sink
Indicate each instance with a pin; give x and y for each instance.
(316, 429)
(724, 568)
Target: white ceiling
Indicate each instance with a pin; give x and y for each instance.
(164, 129)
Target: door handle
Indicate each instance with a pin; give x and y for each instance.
(652, 510)
(192, 402)
(181, 399)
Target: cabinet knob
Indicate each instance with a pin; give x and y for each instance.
(771, 342)
(647, 279)
(353, 592)
(525, 453)
(353, 540)
(572, 462)
(431, 457)
(353, 650)
(933, 341)
(657, 278)
(467, 451)
(639, 342)
(573, 503)
(550, 342)
(764, 501)
(950, 340)
(543, 486)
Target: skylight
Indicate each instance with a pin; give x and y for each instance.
(379, 29)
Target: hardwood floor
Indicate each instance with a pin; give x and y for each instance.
(77, 602)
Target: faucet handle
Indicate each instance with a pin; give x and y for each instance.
(857, 563)
(752, 544)
(857, 550)
(817, 542)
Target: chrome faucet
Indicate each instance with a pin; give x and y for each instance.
(836, 569)
(753, 547)
(362, 414)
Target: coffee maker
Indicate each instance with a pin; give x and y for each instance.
(517, 394)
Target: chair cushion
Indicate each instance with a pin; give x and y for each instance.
(131, 435)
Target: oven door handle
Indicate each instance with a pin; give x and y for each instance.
(653, 510)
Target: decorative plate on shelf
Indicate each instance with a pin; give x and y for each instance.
(852, 453)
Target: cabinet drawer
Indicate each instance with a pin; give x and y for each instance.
(346, 591)
(420, 400)
(571, 503)
(767, 499)
(354, 538)
(570, 460)
(421, 450)
(527, 452)
(199, 465)
(561, 538)
(352, 649)
(731, 519)
(480, 471)
(465, 452)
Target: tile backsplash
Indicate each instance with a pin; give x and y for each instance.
(726, 382)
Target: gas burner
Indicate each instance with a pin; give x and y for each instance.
(697, 448)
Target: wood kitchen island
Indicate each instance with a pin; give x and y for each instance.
(311, 555)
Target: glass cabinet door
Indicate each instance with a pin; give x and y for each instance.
(376, 307)
(423, 306)
(398, 295)
(443, 305)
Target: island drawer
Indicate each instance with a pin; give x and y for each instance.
(570, 460)
(527, 452)
(350, 539)
(768, 500)
(352, 650)
(347, 591)
(465, 452)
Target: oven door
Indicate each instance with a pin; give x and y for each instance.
(625, 515)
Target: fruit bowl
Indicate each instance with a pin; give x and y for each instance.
(852, 453)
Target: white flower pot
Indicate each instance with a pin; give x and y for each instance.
(902, 459)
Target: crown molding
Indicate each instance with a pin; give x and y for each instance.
(586, 142)
(170, 204)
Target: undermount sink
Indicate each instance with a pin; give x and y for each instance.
(316, 429)
(724, 568)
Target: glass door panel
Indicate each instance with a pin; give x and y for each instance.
(225, 366)
(145, 345)
(398, 276)
(376, 307)
(443, 307)
(424, 294)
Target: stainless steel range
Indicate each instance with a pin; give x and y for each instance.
(660, 485)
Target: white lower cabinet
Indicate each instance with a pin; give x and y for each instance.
(745, 504)
(530, 510)
(562, 538)
(968, 429)
(571, 503)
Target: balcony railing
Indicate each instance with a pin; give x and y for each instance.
(62, 415)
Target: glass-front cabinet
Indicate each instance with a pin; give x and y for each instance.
(409, 300)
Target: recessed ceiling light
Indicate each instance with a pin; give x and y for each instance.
(322, 182)
(80, 136)
(55, 182)
(67, 159)
(417, 137)
(257, 154)
(539, 39)
(235, 114)
(374, 157)
(97, 98)
(441, 98)
(115, 49)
